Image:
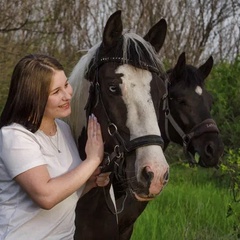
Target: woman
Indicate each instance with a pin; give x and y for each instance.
(41, 173)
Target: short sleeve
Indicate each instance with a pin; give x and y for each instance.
(19, 150)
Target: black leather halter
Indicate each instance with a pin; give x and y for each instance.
(122, 147)
(206, 126)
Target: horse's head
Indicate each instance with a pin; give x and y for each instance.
(125, 89)
(187, 109)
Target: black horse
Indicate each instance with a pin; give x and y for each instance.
(186, 120)
(120, 80)
(186, 107)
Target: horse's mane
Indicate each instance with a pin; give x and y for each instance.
(77, 119)
(134, 50)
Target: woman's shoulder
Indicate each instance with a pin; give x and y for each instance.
(15, 129)
(17, 135)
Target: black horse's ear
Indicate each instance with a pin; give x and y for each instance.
(113, 30)
(206, 68)
(179, 69)
(157, 34)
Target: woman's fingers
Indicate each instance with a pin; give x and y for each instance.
(98, 132)
(92, 129)
(94, 145)
(103, 179)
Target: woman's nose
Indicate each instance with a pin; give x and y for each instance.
(67, 95)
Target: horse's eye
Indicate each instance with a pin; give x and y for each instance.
(113, 89)
(181, 101)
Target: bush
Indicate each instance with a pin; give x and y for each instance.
(224, 84)
(232, 169)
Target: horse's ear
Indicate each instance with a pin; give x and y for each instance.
(113, 29)
(156, 35)
(206, 68)
(181, 62)
(180, 67)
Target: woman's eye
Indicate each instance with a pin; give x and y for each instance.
(56, 92)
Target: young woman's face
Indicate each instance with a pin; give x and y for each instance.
(60, 94)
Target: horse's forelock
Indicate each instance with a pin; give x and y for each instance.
(193, 77)
(189, 77)
(149, 53)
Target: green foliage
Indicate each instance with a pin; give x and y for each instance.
(231, 167)
(224, 84)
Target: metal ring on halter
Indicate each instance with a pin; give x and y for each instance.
(107, 159)
(111, 133)
(167, 112)
(117, 151)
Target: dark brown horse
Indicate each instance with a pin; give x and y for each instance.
(120, 80)
(98, 216)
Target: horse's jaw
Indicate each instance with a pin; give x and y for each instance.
(144, 198)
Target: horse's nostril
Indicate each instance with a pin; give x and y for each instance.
(166, 176)
(209, 150)
(148, 175)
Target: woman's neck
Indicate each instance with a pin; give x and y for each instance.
(48, 126)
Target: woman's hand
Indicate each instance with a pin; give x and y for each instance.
(97, 179)
(94, 147)
(103, 179)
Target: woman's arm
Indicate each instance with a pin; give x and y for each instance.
(47, 191)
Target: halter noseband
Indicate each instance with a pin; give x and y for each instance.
(206, 126)
(122, 147)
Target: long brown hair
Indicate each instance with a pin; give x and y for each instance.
(29, 91)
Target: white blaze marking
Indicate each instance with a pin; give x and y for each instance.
(198, 90)
(142, 119)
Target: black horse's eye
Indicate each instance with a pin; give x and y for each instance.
(181, 101)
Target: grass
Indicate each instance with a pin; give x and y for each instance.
(193, 206)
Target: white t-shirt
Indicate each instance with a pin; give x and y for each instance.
(20, 150)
